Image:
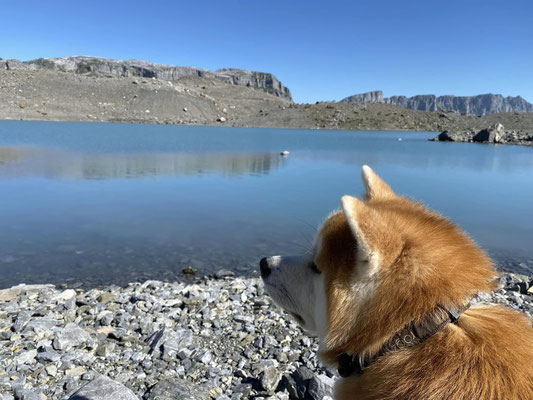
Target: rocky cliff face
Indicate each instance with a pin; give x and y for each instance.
(130, 68)
(368, 97)
(259, 80)
(471, 105)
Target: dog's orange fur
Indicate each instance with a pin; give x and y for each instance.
(424, 261)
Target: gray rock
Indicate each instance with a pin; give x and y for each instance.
(174, 389)
(297, 384)
(494, 134)
(70, 336)
(205, 357)
(27, 394)
(22, 319)
(446, 136)
(26, 357)
(269, 378)
(48, 356)
(103, 388)
(224, 273)
(44, 324)
(320, 386)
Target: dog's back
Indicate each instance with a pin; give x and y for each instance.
(488, 354)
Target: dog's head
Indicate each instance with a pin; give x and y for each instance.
(376, 265)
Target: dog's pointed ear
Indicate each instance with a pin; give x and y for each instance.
(353, 208)
(377, 243)
(376, 188)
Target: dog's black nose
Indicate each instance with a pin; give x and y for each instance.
(265, 268)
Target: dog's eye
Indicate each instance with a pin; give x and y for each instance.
(314, 268)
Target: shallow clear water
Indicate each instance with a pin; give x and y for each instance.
(114, 203)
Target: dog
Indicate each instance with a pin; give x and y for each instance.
(386, 288)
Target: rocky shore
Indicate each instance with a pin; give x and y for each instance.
(217, 338)
(496, 134)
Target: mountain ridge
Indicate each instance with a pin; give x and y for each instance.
(470, 105)
(97, 66)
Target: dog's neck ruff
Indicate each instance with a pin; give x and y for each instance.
(409, 336)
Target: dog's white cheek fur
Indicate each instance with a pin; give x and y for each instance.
(320, 304)
(296, 288)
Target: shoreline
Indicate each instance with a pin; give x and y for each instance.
(190, 272)
(514, 138)
(209, 339)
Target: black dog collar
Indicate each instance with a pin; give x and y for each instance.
(409, 336)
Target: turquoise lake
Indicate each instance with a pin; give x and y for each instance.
(89, 203)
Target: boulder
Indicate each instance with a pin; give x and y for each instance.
(320, 386)
(173, 389)
(269, 378)
(448, 136)
(445, 136)
(494, 134)
(69, 337)
(103, 388)
(28, 394)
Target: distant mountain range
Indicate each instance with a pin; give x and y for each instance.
(132, 68)
(472, 105)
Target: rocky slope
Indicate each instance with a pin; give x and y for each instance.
(136, 68)
(471, 105)
(44, 94)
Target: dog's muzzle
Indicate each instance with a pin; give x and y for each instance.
(267, 264)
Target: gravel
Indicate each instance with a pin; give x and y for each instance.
(210, 339)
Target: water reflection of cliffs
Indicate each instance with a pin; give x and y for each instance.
(60, 164)
(11, 154)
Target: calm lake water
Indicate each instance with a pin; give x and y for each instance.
(88, 204)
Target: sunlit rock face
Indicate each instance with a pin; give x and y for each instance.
(472, 105)
(138, 68)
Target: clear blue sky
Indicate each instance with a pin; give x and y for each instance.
(322, 50)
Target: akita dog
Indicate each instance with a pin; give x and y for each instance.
(387, 288)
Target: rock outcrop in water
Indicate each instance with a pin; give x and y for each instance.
(471, 105)
(137, 68)
(496, 134)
